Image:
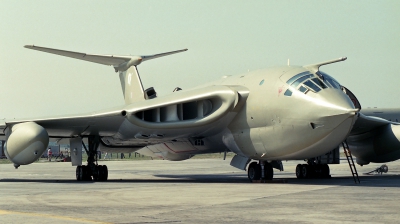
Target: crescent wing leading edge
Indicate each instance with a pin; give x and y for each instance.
(374, 139)
(368, 123)
(181, 114)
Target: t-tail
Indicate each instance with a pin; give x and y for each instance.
(126, 66)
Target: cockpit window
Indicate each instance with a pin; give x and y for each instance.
(319, 83)
(288, 92)
(329, 80)
(300, 80)
(294, 78)
(312, 86)
(307, 81)
(303, 89)
(333, 83)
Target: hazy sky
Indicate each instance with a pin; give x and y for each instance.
(223, 38)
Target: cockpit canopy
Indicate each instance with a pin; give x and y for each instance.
(307, 81)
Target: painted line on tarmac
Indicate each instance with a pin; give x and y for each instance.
(59, 217)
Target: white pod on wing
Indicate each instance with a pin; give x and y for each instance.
(26, 142)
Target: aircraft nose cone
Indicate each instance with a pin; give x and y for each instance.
(335, 108)
(337, 102)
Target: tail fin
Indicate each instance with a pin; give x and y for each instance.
(131, 84)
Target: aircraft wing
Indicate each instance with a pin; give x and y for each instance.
(374, 139)
(104, 123)
(368, 123)
(183, 114)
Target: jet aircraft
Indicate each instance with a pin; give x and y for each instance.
(263, 116)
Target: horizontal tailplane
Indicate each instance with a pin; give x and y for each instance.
(131, 84)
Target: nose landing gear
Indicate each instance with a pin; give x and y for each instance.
(260, 171)
(312, 171)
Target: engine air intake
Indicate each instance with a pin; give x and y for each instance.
(179, 112)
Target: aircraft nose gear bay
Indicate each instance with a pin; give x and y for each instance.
(264, 117)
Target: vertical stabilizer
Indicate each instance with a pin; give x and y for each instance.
(131, 84)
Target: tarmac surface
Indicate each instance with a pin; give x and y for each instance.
(195, 191)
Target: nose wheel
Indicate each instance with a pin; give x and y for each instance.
(312, 171)
(299, 168)
(254, 171)
(260, 171)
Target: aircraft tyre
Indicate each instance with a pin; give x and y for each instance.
(102, 172)
(105, 172)
(299, 168)
(305, 171)
(79, 173)
(254, 171)
(96, 174)
(268, 171)
(325, 171)
(312, 171)
(84, 173)
(92, 171)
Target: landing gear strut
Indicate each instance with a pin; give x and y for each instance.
(312, 171)
(261, 170)
(92, 171)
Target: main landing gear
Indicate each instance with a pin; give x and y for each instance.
(92, 169)
(261, 170)
(312, 171)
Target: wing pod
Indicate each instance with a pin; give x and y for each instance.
(26, 142)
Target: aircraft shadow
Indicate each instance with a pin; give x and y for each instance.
(386, 180)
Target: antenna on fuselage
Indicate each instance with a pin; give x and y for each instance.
(288, 62)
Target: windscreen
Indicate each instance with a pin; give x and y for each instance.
(307, 81)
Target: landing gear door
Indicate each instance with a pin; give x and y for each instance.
(240, 162)
(76, 151)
